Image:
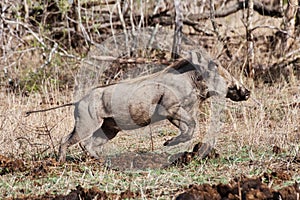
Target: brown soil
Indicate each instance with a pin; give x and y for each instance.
(80, 193)
(243, 188)
(239, 188)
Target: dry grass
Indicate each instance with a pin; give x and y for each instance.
(246, 142)
(258, 136)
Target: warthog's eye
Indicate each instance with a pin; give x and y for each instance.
(199, 78)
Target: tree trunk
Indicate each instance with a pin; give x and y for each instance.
(250, 46)
(289, 22)
(297, 24)
(178, 30)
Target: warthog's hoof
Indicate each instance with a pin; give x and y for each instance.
(177, 140)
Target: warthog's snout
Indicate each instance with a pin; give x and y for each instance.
(236, 91)
(238, 94)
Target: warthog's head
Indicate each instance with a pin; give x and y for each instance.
(219, 80)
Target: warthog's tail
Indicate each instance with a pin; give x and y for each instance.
(44, 110)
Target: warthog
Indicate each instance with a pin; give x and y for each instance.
(170, 94)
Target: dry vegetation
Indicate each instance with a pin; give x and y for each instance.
(40, 57)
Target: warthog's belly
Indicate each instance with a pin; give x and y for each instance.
(137, 104)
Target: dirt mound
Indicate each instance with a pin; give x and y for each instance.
(242, 188)
(94, 193)
(8, 165)
(32, 169)
(151, 160)
(81, 193)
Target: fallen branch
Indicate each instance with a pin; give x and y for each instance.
(275, 69)
(289, 58)
(166, 16)
(131, 60)
(239, 5)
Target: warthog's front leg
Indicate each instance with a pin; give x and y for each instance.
(186, 124)
(204, 150)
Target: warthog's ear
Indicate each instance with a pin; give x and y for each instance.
(196, 57)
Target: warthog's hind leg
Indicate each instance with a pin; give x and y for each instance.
(71, 139)
(81, 133)
(186, 124)
(101, 136)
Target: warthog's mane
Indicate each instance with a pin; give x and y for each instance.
(176, 66)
